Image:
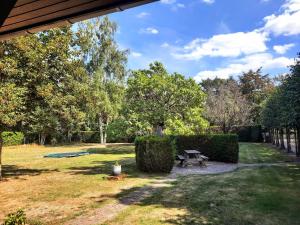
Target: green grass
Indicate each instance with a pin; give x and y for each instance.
(260, 153)
(252, 196)
(55, 190)
(268, 196)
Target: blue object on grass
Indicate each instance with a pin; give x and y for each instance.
(66, 155)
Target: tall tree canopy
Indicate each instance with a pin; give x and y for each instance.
(226, 106)
(282, 109)
(106, 65)
(159, 99)
(256, 87)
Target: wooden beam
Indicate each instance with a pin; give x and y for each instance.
(5, 8)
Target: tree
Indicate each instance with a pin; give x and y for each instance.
(11, 105)
(227, 107)
(282, 108)
(55, 79)
(156, 97)
(106, 65)
(256, 87)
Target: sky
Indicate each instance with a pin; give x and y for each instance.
(212, 38)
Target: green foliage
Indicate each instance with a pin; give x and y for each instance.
(119, 131)
(11, 104)
(219, 147)
(249, 133)
(154, 154)
(12, 138)
(89, 136)
(154, 97)
(282, 108)
(106, 65)
(192, 124)
(256, 87)
(17, 218)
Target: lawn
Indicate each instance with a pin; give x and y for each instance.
(262, 196)
(260, 153)
(56, 190)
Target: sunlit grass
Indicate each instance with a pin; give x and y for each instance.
(260, 153)
(268, 196)
(59, 189)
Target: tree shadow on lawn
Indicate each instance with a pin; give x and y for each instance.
(114, 150)
(235, 198)
(16, 172)
(105, 167)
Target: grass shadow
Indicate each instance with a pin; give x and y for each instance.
(105, 167)
(113, 150)
(16, 172)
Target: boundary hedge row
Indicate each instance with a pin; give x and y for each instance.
(218, 147)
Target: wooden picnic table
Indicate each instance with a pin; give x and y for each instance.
(192, 155)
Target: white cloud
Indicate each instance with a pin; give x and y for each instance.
(136, 54)
(208, 1)
(149, 30)
(287, 23)
(238, 66)
(165, 45)
(224, 45)
(281, 49)
(180, 5)
(142, 15)
(168, 1)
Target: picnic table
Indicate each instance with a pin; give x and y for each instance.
(190, 156)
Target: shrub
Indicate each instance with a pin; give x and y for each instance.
(219, 147)
(12, 138)
(17, 218)
(154, 154)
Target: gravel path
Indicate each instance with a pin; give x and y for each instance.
(211, 168)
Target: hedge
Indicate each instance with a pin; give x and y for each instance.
(249, 133)
(12, 138)
(154, 154)
(219, 147)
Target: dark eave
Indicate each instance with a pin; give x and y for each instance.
(19, 17)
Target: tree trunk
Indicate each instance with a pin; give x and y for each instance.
(276, 137)
(1, 144)
(288, 139)
(101, 129)
(281, 139)
(43, 139)
(69, 136)
(105, 133)
(224, 128)
(298, 142)
(158, 130)
(272, 136)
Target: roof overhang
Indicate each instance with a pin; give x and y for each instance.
(19, 17)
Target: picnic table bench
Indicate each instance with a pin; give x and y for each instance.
(191, 155)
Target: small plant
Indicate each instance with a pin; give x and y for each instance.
(17, 218)
(117, 163)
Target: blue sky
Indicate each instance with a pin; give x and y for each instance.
(208, 38)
